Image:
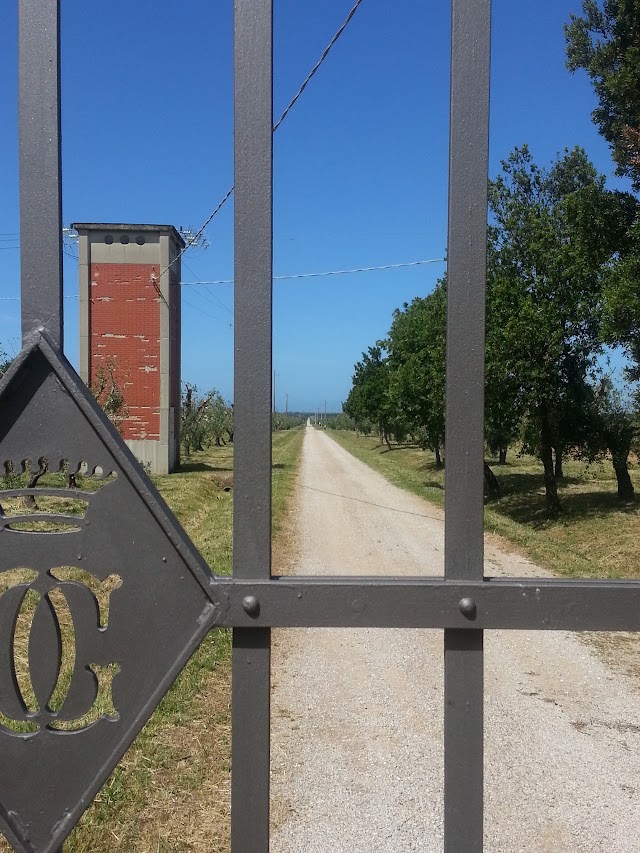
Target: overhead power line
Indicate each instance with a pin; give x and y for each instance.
(291, 277)
(210, 297)
(200, 311)
(327, 273)
(198, 235)
(291, 103)
(17, 298)
(316, 67)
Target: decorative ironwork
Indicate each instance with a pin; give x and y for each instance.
(64, 509)
(74, 610)
(88, 681)
(99, 677)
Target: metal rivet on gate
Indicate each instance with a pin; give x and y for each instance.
(467, 607)
(251, 605)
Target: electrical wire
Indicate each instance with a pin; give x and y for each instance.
(288, 108)
(208, 303)
(66, 251)
(294, 276)
(211, 297)
(327, 273)
(316, 67)
(228, 194)
(199, 310)
(17, 298)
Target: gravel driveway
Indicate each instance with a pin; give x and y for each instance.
(357, 759)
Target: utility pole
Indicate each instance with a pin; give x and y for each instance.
(274, 393)
(325, 414)
(286, 404)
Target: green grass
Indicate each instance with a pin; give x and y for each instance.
(596, 535)
(171, 791)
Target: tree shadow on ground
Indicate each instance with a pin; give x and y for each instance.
(199, 467)
(397, 447)
(431, 466)
(527, 483)
(434, 484)
(528, 506)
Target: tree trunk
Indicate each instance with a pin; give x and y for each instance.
(626, 491)
(438, 456)
(502, 459)
(546, 456)
(491, 487)
(558, 464)
(30, 500)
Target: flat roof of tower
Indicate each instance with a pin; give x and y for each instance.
(123, 226)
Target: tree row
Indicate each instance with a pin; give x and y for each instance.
(561, 262)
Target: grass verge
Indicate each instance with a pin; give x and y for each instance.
(596, 536)
(171, 790)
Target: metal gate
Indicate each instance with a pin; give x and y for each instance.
(54, 760)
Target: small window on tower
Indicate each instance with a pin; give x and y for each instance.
(140, 240)
(108, 239)
(124, 239)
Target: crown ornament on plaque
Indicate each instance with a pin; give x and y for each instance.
(42, 498)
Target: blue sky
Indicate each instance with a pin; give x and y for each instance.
(360, 163)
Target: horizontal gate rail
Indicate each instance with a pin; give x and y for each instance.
(529, 604)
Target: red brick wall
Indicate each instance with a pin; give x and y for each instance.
(124, 323)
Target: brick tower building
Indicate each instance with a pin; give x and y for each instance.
(130, 322)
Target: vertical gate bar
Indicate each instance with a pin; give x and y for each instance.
(464, 486)
(253, 94)
(40, 167)
(39, 134)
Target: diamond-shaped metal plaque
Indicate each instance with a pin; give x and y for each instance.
(162, 600)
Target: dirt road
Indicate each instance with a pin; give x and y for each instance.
(357, 761)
